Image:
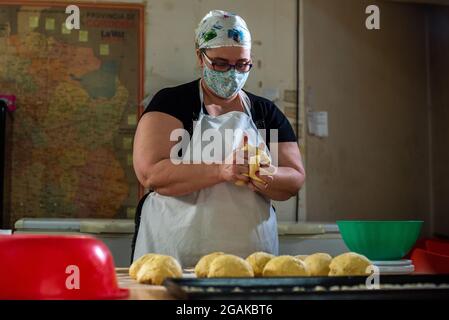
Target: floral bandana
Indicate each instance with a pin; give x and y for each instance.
(222, 29)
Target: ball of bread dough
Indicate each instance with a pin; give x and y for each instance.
(157, 268)
(349, 264)
(230, 266)
(136, 265)
(257, 157)
(258, 260)
(301, 257)
(285, 266)
(318, 264)
(202, 267)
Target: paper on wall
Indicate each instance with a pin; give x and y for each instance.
(49, 24)
(33, 22)
(317, 123)
(83, 36)
(64, 29)
(104, 49)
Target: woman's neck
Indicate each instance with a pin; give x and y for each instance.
(210, 98)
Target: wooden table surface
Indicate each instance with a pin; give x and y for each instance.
(140, 291)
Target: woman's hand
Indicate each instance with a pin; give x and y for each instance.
(266, 174)
(235, 166)
(284, 181)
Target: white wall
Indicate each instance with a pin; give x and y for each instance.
(170, 36)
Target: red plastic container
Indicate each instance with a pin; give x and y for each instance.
(57, 267)
(438, 246)
(429, 262)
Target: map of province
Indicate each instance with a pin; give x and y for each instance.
(68, 157)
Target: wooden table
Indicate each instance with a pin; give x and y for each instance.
(138, 291)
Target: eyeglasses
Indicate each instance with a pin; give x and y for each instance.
(222, 66)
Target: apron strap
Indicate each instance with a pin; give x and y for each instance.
(246, 102)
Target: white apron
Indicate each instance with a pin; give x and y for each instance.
(224, 217)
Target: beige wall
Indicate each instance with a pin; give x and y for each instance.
(374, 164)
(439, 2)
(439, 70)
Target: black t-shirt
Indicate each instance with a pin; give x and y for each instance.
(183, 103)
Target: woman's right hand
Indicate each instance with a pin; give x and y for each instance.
(235, 166)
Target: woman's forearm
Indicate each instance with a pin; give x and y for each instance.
(169, 179)
(286, 183)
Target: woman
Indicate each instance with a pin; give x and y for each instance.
(198, 208)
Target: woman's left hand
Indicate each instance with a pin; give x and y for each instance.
(265, 173)
(283, 181)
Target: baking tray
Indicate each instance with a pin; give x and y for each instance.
(403, 287)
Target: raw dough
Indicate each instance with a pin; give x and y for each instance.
(230, 266)
(157, 268)
(202, 267)
(136, 265)
(349, 264)
(301, 257)
(257, 157)
(258, 260)
(285, 266)
(318, 264)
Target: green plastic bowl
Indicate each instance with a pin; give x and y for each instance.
(380, 240)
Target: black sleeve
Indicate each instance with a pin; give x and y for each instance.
(275, 119)
(164, 101)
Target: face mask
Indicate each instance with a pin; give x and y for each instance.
(224, 84)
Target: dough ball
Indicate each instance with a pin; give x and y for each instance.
(258, 260)
(318, 264)
(230, 266)
(301, 257)
(136, 265)
(263, 158)
(157, 268)
(285, 266)
(202, 267)
(349, 264)
(257, 157)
